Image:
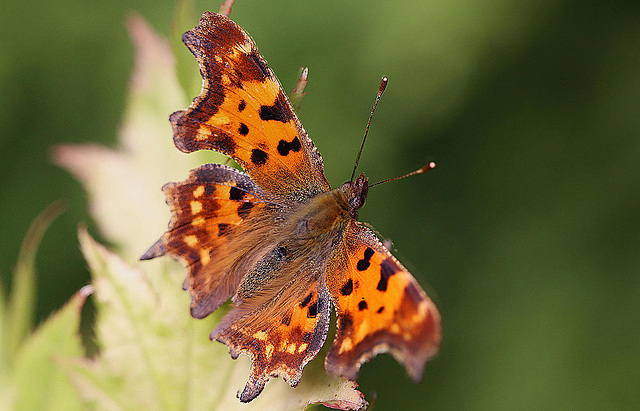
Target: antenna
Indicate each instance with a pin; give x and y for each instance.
(421, 170)
(383, 85)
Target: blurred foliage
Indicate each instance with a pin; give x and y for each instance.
(29, 373)
(154, 357)
(529, 225)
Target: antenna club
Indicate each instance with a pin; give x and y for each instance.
(421, 170)
(383, 85)
(431, 165)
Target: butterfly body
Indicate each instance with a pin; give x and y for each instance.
(276, 239)
(300, 235)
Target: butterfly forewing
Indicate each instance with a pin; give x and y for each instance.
(244, 113)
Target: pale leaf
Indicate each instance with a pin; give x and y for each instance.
(153, 355)
(124, 184)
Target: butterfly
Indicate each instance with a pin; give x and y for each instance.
(276, 239)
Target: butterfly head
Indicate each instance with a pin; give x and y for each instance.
(356, 194)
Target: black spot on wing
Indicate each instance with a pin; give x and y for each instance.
(236, 194)
(362, 305)
(347, 287)
(312, 311)
(380, 310)
(223, 229)
(243, 129)
(364, 263)
(306, 300)
(279, 111)
(387, 269)
(242, 105)
(244, 209)
(259, 157)
(224, 144)
(284, 148)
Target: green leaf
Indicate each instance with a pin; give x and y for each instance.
(153, 355)
(18, 321)
(30, 380)
(7, 389)
(185, 18)
(40, 384)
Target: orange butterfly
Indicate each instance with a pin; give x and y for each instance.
(277, 239)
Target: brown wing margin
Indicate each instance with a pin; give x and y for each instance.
(244, 113)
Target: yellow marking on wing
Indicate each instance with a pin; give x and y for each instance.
(291, 349)
(302, 347)
(423, 308)
(196, 207)
(260, 335)
(191, 240)
(244, 48)
(198, 221)
(198, 191)
(204, 132)
(268, 352)
(205, 257)
(218, 120)
(346, 345)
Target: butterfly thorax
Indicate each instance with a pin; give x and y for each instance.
(326, 214)
(298, 245)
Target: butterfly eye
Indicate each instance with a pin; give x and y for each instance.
(357, 202)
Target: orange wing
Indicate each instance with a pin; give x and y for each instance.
(209, 211)
(280, 335)
(380, 308)
(243, 112)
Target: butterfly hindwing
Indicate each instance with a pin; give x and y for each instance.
(210, 210)
(244, 113)
(380, 308)
(280, 334)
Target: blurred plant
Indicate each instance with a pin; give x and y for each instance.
(298, 92)
(152, 354)
(31, 378)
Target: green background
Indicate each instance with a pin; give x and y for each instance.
(526, 235)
